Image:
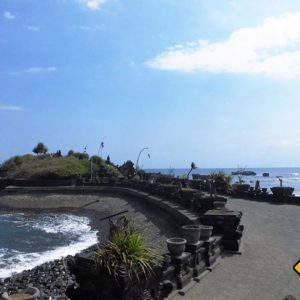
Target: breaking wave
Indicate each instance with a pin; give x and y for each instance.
(28, 241)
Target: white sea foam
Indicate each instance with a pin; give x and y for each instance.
(8, 217)
(66, 224)
(12, 214)
(25, 261)
(12, 261)
(3, 251)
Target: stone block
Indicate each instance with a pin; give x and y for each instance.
(232, 245)
(198, 269)
(184, 279)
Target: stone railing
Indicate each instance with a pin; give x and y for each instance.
(182, 267)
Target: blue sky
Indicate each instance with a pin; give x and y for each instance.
(215, 82)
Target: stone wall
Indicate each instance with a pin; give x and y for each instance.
(36, 182)
(53, 197)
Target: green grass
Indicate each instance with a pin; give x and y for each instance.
(48, 167)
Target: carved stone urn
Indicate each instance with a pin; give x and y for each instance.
(176, 246)
(191, 233)
(206, 232)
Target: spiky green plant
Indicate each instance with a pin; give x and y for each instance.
(221, 176)
(127, 254)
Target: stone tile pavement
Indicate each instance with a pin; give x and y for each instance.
(271, 246)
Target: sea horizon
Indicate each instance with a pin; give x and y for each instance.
(290, 175)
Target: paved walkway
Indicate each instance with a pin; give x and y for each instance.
(271, 246)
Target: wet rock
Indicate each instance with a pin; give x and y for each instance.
(52, 279)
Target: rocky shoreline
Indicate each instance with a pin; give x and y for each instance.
(51, 278)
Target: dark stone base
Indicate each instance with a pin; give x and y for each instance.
(209, 244)
(232, 245)
(182, 259)
(194, 248)
(169, 273)
(185, 279)
(218, 250)
(218, 240)
(167, 288)
(199, 269)
(179, 273)
(212, 259)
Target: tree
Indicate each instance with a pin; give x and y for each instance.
(57, 154)
(40, 148)
(71, 152)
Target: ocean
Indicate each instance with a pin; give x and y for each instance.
(28, 240)
(290, 176)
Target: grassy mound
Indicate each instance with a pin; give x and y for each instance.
(50, 167)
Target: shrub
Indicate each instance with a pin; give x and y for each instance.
(221, 177)
(46, 167)
(17, 161)
(80, 155)
(54, 167)
(101, 166)
(97, 160)
(40, 148)
(127, 254)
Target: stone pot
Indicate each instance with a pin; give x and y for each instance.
(241, 187)
(206, 232)
(191, 233)
(176, 246)
(29, 293)
(219, 204)
(282, 192)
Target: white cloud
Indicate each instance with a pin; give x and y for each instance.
(10, 107)
(88, 28)
(92, 4)
(272, 49)
(41, 70)
(34, 70)
(8, 15)
(33, 28)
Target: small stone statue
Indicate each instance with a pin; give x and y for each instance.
(212, 187)
(280, 180)
(257, 185)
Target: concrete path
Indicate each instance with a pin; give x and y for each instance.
(271, 246)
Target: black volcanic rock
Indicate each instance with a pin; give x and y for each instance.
(51, 278)
(244, 173)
